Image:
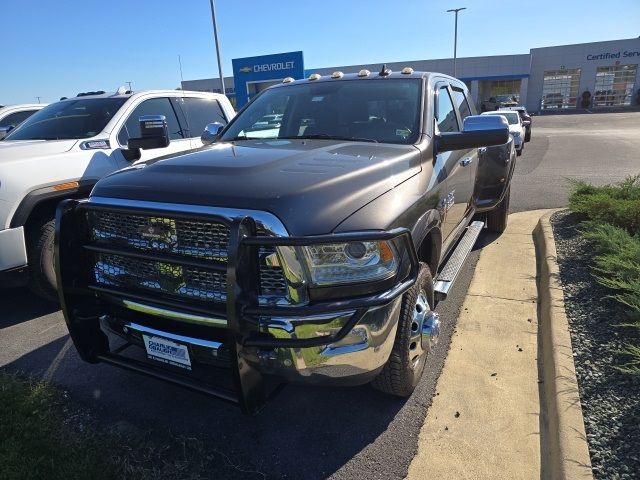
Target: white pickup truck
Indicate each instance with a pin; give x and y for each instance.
(64, 149)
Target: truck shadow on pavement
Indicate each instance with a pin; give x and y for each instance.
(18, 305)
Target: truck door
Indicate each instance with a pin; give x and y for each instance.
(469, 158)
(179, 140)
(458, 183)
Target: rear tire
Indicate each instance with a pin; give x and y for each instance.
(42, 276)
(498, 218)
(405, 365)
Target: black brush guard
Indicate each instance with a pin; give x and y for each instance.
(82, 308)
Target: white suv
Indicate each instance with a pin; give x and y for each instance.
(516, 128)
(14, 115)
(64, 149)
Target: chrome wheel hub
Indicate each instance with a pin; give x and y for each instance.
(425, 328)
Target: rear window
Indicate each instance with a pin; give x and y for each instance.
(200, 112)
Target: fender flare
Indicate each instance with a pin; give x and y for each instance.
(49, 192)
(429, 224)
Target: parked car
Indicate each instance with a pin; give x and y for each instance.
(14, 115)
(552, 100)
(516, 129)
(62, 150)
(527, 122)
(497, 102)
(315, 255)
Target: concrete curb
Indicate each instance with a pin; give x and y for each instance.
(567, 451)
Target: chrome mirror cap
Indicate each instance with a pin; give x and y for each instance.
(211, 132)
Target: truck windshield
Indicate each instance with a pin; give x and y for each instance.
(375, 110)
(70, 119)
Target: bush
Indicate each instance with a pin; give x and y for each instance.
(613, 228)
(617, 205)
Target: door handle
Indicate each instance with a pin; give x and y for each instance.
(466, 161)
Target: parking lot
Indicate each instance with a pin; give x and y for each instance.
(344, 433)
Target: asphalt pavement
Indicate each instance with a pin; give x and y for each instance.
(316, 432)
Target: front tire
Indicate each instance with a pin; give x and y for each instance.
(498, 218)
(42, 276)
(405, 365)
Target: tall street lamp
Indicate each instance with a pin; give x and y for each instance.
(455, 40)
(215, 37)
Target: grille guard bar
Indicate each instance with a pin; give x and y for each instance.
(242, 305)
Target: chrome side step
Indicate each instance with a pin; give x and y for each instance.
(446, 277)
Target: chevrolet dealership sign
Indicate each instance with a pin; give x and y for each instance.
(266, 68)
(269, 67)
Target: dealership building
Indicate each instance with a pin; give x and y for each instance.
(591, 75)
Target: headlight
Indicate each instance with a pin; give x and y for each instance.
(352, 262)
(515, 134)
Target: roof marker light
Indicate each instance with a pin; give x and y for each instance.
(287, 80)
(337, 75)
(364, 73)
(407, 71)
(314, 76)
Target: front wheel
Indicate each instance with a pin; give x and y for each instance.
(42, 276)
(417, 334)
(498, 217)
(527, 135)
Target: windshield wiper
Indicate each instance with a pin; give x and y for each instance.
(244, 137)
(326, 136)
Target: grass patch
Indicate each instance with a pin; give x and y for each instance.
(41, 436)
(613, 229)
(35, 442)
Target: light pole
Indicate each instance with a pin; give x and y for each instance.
(215, 37)
(455, 38)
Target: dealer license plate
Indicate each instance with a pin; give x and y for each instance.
(166, 351)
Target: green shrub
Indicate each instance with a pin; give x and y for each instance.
(617, 263)
(613, 230)
(617, 205)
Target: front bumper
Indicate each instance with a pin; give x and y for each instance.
(244, 354)
(13, 257)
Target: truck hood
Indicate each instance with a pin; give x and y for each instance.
(311, 185)
(21, 149)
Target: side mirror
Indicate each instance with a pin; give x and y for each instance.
(477, 131)
(211, 132)
(4, 131)
(154, 133)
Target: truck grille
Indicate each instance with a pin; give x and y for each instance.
(163, 235)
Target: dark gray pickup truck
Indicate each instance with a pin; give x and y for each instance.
(311, 250)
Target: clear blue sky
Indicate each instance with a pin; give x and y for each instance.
(58, 48)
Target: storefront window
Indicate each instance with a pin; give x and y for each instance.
(510, 88)
(614, 85)
(560, 88)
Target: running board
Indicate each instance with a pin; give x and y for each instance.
(446, 277)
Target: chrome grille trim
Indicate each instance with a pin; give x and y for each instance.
(269, 222)
(124, 230)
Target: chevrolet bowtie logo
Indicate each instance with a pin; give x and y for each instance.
(246, 69)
